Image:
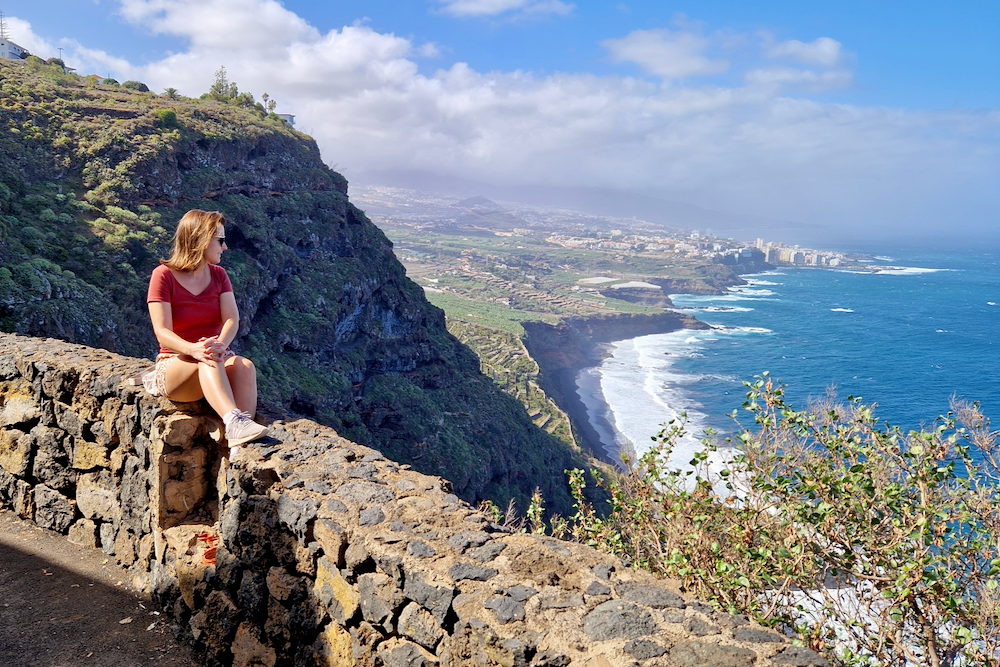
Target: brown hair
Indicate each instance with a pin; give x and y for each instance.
(192, 238)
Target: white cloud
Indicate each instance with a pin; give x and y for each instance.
(240, 25)
(745, 146)
(824, 51)
(20, 33)
(777, 78)
(498, 7)
(667, 54)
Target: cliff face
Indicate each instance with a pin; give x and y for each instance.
(92, 182)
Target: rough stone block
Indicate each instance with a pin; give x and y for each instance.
(335, 647)
(52, 471)
(461, 571)
(8, 367)
(487, 552)
(597, 588)
(96, 496)
(89, 455)
(68, 420)
(651, 596)
(643, 649)
(371, 516)
(435, 599)
(420, 549)
(135, 497)
(280, 583)
(16, 451)
(699, 628)
(417, 623)
(365, 494)
(19, 410)
(7, 486)
(334, 591)
(23, 500)
(756, 636)
(356, 555)
(107, 531)
(84, 533)
(59, 383)
(333, 538)
(215, 625)
(296, 514)
(401, 653)
(53, 510)
(124, 548)
(379, 599)
(695, 653)
(467, 539)
(249, 650)
(618, 619)
(797, 656)
(507, 610)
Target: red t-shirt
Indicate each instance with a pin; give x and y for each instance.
(195, 316)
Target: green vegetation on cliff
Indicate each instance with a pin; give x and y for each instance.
(93, 178)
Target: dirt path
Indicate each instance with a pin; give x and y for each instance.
(62, 605)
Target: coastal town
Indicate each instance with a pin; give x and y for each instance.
(533, 262)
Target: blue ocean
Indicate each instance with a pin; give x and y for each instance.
(908, 339)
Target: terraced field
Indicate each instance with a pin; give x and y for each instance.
(503, 358)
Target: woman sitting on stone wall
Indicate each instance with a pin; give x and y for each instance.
(195, 318)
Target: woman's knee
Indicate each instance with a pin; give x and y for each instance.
(241, 366)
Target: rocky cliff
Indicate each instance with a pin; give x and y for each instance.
(92, 181)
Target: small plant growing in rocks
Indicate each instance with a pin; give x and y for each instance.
(874, 546)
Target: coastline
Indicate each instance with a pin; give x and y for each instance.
(562, 351)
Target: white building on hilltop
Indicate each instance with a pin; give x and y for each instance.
(11, 51)
(8, 49)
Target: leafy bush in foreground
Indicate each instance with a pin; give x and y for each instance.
(873, 546)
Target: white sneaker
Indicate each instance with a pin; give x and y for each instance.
(243, 429)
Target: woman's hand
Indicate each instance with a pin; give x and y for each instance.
(209, 349)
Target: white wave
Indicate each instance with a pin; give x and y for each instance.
(751, 292)
(638, 388)
(727, 309)
(905, 270)
(991, 303)
(685, 300)
(716, 309)
(842, 310)
(739, 330)
(883, 259)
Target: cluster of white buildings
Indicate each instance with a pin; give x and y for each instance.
(779, 253)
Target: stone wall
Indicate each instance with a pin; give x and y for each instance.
(311, 550)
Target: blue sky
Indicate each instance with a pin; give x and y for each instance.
(854, 116)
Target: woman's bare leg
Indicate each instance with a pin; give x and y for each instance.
(182, 382)
(242, 376)
(215, 385)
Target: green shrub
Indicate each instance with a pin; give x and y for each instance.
(136, 85)
(880, 547)
(166, 117)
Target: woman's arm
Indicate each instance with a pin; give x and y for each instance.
(161, 315)
(230, 318)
